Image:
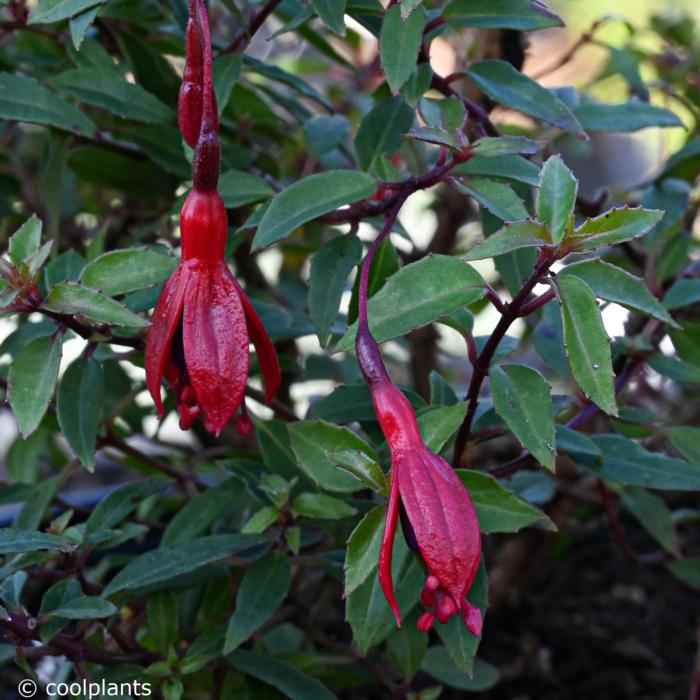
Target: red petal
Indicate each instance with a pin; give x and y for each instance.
(216, 343)
(387, 550)
(443, 518)
(160, 335)
(267, 355)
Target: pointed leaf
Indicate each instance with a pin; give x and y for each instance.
(516, 390)
(587, 343)
(523, 15)
(399, 43)
(381, 131)
(615, 226)
(525, 234)
(556, 197)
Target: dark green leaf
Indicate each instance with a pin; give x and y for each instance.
(525, 234)
(399, 44)
(497, 197)
(19, 540)
(47, 11)
(163, 619)
(262, 591)
(157, 567)
(653, 514)
(626, 462)
(381, 131)
(438, 664)
(587, 343)
(314, 443)
(523, 15)
(238, 188)
(438, 425)
(363, 549)
(423, 291)
(330, 268)
(612, 283)
(108, 90)
(78, 406)
(556, 198)
(498, 509)
(25, 241)
(508, 86)
(281, 675)
(516, 389)
(684, 292)
(615, 226)
(508, 167)
(114, 508)
(320, 506)
(498, 146)
(331, 13)
(628, 116)
(85, 608)
(323, 134)
(308, 199)
(32, 379)
(678, 370)
(25, 100)
(72, 298)
(122, 271)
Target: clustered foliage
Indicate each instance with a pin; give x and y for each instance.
(245, 565)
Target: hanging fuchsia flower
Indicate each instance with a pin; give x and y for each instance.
(437, 514)
(203, 321)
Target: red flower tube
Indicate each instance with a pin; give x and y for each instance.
(437, 513)
(203, 321)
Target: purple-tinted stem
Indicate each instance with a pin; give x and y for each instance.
(368, 356)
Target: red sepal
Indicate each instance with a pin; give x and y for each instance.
(387, 548)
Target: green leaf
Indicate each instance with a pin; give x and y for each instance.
(72, 298)
(288, 679)
(80, 24)
(612, 283)
(48, 11)
(556, 198)
(497, 197)
(498, 509)
(25, 241)
(262, 591)
(122, 271)
(497, 146)
(525, 234)
(523, 15)
(438, 136)
(114, 508)
(423, 291)
(363, 467)
(406, 647)
(399, 44)
(85, 608)
(366, 609)
(460, 642)
(653, 515)
(438, 425)
(447, 113)
(438, 664)
(628, 116)
(516, 389)
(315, 442)
(163, 619)
(308, 199)
(323, 134)
(20, 540)
(587, 343)
(684, 292)
(32, 378)
(238, 188)
(25, 100)
(260, 521)
(686, 440)
(686, 570)
(320, 506)
(108, 90)
(157, 567)
(574, 442)
(78, 406)
(627, 462)
(363, 549)
(678, 370)
(381, 131)
(227, 70)
(331, 13)
(330, 268)
(508, 167)
(509, 87)
(615, 226)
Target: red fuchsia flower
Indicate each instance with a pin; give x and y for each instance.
(203, 321)
(437, 514)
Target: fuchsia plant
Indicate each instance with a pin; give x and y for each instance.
(204, 322)
(437, 514)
